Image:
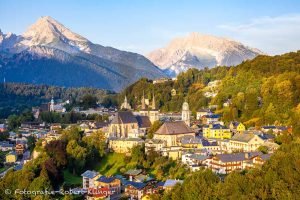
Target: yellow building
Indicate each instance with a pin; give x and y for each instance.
(11, 157)
(171, 132)
(237, 127)
(189, 142)
(124, 145)
(216, 131)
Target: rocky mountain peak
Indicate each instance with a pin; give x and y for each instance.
(198, 50)
(47, 30)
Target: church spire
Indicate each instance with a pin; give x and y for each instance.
(143, 101)
(153, 103)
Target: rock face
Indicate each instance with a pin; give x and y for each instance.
(48, 49)
(199, 51)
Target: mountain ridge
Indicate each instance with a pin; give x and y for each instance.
(199, 51)
(118, 68)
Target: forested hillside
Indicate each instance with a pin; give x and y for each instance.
(17, 97)
(264, 90)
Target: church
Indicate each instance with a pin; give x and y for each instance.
(152, 112)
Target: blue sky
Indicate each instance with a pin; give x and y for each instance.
(273, 26)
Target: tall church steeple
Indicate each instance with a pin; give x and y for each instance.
(143, 102)
(153, 103)
(186, 114)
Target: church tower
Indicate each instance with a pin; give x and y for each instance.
(51, 105)
(125, 105)
(144, 110)
(186, 114)
(153, 113)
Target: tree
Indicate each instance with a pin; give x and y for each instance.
(13, 122)
(57, 150)
(31, 143)
(89, 101)
(77, 156)
(96, 140)
(154, 127)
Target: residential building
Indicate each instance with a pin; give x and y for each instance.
(20, 148)
(171, 132)
(123, 145)
(135, 190)
(111, 182)
(210, 119)
(11, 157)
(202, 112)
(2, 128)
(245, 142)
(261, 159)
(170, 183)
(190, 142)
(132, 173)
(216, 131)
(88, 179)
(154, 144)
(237, 127)
(6, 146)
(226, 163)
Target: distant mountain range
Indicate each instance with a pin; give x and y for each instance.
(199, 51)
(49, 53)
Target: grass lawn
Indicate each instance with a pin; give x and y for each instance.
(110, 164)
(71, 179)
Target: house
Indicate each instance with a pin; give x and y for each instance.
(132, 173)
(211, 146)
(11, 157)
(261, 159)
(173, 92)
(195, 161)
(171, 132)
(135, 190)
(88, 178)
(154, 144)
(268, 128)
(202, 112)
(2, 128)
(123, 145)
(216, 131)
(20, 148)
(237, 127)
(6, 146)
(210, 119)
(226, 163)
(190, 142)
(170, 183)
(111, 182)
(245, 142)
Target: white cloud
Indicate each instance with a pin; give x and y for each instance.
(273, 35)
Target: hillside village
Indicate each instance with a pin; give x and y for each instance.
(196, 141)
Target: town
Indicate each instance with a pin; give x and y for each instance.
(196, 141)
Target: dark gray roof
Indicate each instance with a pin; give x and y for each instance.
(124, 117)
(173, 128)
(265, 156)
(243, 137)
(89, 174)
(134, 172)
(143, 121)
(235, 157)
